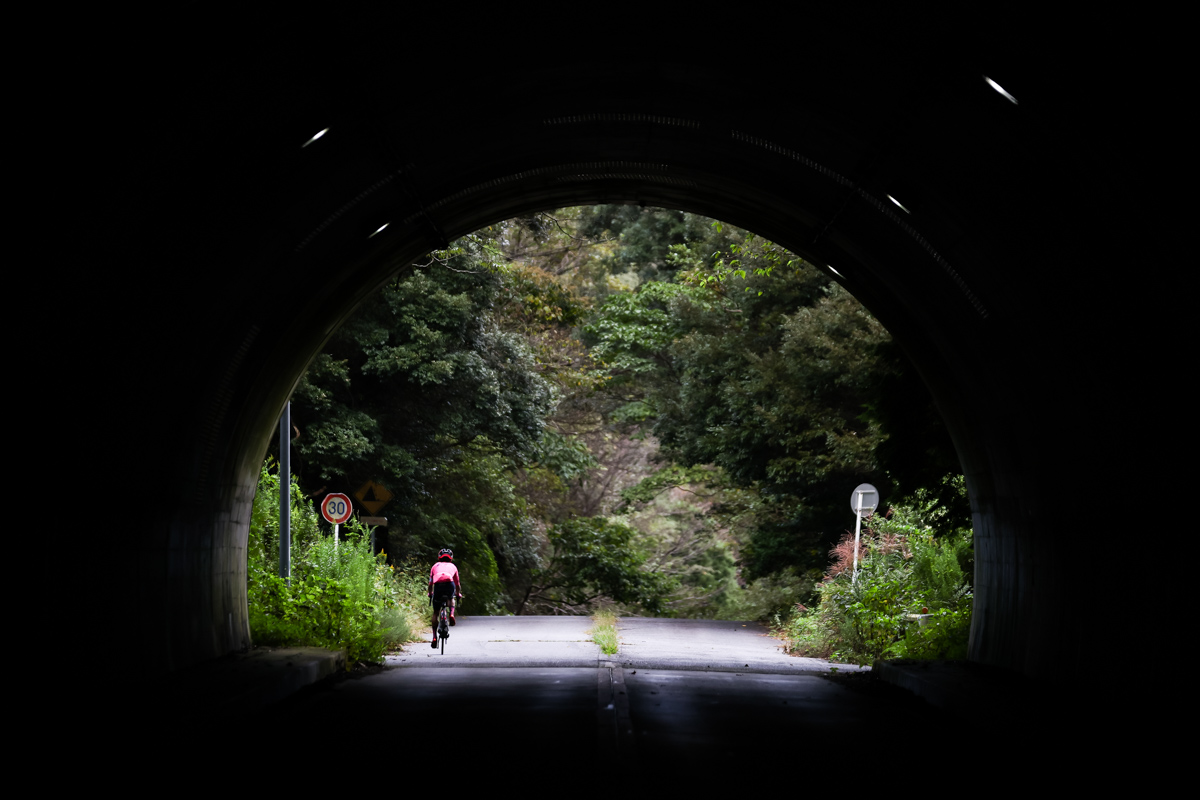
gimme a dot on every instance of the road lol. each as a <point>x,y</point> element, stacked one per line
<point>680,694</point>
<point>687,644</point>
<point>703,705</point>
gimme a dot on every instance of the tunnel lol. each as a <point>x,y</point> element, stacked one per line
<point>255,177</point>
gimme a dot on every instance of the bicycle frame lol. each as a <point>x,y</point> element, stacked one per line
<point>443,626</point>
<point>448,608</point>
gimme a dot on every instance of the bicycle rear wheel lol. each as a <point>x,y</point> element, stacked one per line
<point>443,628</point>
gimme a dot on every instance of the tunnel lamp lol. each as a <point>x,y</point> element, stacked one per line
<point>999,89</point>
<point>898,203</point>
<point>835,272</point>
<point>379,230</point>
<point>315,136</point>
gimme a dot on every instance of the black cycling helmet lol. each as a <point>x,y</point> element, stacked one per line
<point>446,553</point>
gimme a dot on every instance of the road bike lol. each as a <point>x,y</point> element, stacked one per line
<point>443,626</point>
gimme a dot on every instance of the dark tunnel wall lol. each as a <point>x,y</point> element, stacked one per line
<point>248,249</point>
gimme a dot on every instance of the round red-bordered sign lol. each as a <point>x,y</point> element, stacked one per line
<point>336,508</point>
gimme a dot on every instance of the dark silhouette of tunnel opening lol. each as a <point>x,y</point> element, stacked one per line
<point>271,242</point>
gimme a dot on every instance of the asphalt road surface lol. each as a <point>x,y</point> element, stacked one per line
<point>514,694</point>
<point>689,644</point>
<point>530,702</point>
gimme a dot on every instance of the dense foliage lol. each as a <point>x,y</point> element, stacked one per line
<point>763,367</point>
<point>619,406</point>
<point>344,597</point>
<point>443,389</point>
<point>593,558</point>
<point>424,393</point>
<point>911,597</point>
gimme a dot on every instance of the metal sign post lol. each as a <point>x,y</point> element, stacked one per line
<point>865,498</point>
<point>285,492</point>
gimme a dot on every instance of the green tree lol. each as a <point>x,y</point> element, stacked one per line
<point>426,393</point>
<point>759,364</point>
<point>644,237</point>
<point>591,560</point>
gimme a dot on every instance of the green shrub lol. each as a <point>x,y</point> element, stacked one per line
<point>397,626</point>
<point>942,636</point>
<point>341,596</point>
<point>937,572</point>
<point>316,612</point>
<point>911,599</point>
<point>768,597</point>
<point>410,619</point>
<point>809,635</point>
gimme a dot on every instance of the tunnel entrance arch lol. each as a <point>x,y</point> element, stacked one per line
<point>991,228</point>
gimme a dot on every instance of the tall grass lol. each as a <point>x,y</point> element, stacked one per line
<point>409,620</point>
<point>342,597</point>
<point>604,631</point>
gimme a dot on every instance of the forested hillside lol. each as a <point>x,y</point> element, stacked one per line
<point>620,405</point>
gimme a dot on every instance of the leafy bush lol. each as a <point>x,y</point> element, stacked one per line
<point>767,597</point>
<point>315,611</point>
<point>911,599</point>
<point>342,597</point>
<point>943,636</point>
<point>594,561</point>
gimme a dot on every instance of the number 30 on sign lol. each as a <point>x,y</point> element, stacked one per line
<point>336,508</point>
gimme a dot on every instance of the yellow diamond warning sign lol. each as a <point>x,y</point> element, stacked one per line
<point>373,496</point>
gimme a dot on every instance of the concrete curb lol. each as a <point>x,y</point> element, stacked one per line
<point>963,689</point>
<point>246,682</point>
<point>284,672</point>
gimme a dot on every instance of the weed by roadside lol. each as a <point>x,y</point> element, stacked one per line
<point>604,631</point>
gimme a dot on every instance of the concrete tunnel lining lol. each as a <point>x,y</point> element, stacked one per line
<point>971,282</point>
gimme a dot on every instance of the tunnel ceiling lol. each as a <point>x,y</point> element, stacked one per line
<point>240,248</point>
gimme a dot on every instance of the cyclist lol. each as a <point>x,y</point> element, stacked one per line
<point>443,586</point>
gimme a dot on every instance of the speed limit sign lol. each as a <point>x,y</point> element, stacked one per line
<point>336,508</point>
